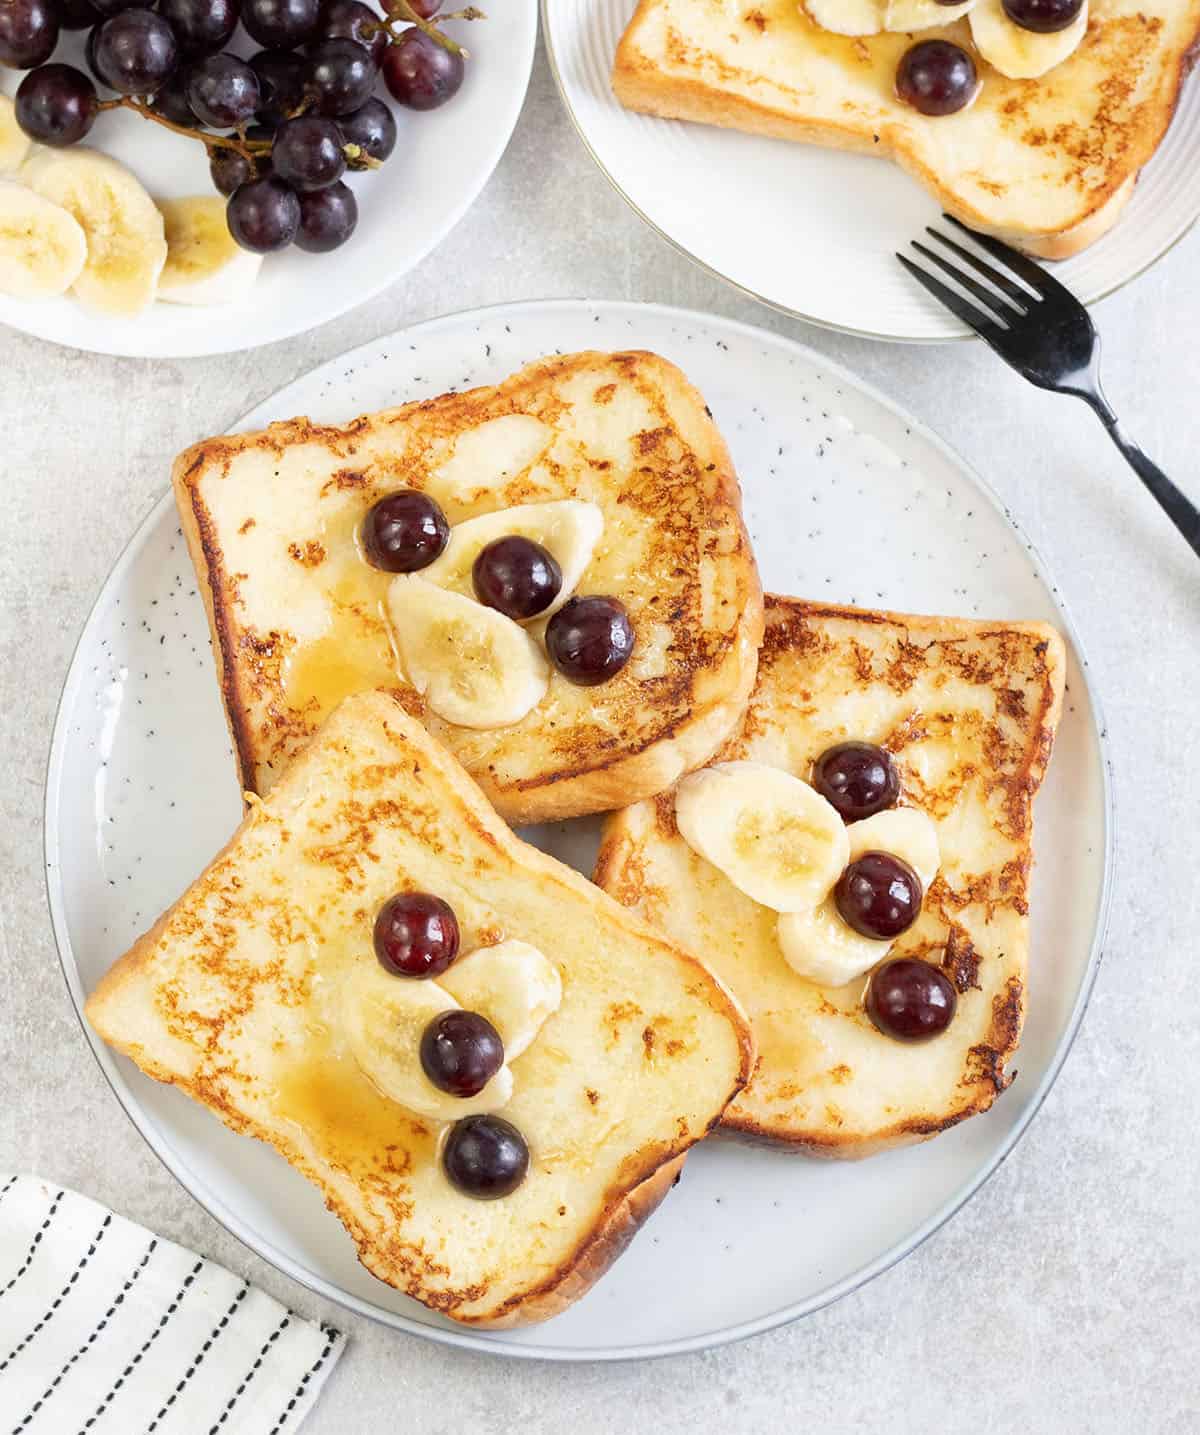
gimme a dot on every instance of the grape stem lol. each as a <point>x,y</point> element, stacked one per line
<point>248,149</point>
<point>400,12</point>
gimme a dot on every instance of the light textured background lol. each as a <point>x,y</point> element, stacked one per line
<point>1066,1297</point>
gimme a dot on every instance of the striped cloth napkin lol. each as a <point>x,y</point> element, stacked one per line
<point>107,1329</point>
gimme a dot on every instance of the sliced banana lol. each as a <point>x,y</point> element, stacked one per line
<point>568,528</point>
<point>383,1019</point>
<point>14,142</point>
<point>513,985</point>
<point>473,666</point>
<point>819,945</point>
<point>204,264</point>
<point>906,833</point>
<point>126,245</point>
<point>772,835</point>
<point>1022,54</point>
<point>42,248</point>
<point>908,15</point>
<point>847,17</point>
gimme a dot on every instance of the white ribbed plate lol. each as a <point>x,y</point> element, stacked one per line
<point>846,499</point>
<point>814,231</point>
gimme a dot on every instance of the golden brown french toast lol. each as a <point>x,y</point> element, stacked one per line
<point>300,619</point>
<point>259,994</point>
<point>968,712</point>
<point>1045,163</point>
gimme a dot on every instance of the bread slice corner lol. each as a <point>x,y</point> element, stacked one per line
<point>968,710</point>
<point>233,997</point>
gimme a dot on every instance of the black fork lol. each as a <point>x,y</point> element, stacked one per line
<point>1044,332</point>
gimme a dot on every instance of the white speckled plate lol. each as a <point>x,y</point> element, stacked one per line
<point>405,209</point>
<point>814,231</point>
<point>846,499</point>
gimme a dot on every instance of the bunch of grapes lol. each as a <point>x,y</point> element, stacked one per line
<point>281,128</point>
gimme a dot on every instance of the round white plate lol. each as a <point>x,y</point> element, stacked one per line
<point>441,162</point>
<point>846,499</point>
<point>813,231</point>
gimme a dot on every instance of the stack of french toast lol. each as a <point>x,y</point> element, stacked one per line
<point>808,923</point>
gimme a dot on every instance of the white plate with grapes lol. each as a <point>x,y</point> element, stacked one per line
<point>192,179</point>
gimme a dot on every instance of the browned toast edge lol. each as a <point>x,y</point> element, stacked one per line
<point>1008,1011</point>
<point>651,1170</point>
<point>618,779</point>
<point>643,88</point>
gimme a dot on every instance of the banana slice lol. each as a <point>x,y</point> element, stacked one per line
<point>126,245</point>
<point>383,1019</point>
<point>772,835</point>
<point>1022,54</point>
<point>473,666</point>
<point>568,528</point>
<point>14,142</point>
<point>819,945</point>
<point>847,17</point>
<point>513,985</point>
<point>909,15</point>
<point>204,264</point>
<point>905,832</point>
<point>42,248</point>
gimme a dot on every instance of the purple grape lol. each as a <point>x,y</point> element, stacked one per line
<point>281,24</point>
<point>171,102</point>
<point>373,129</point>
<point>201,26</point>
<point>342,75</point>
<point>420,73</point>
<point>307,152</point>
<point>264,215</point>
<point>135,52</point>
<point>222,91</point>
<point>328,217</point>
<point>349,20</point>
<point>229,170</point>
<point>56,105</point>
<point>28,33</point>
<point>280,83</point>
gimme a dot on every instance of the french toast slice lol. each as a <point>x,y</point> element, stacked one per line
<point>299,618</point>
<point>1045,164</point>
<point>236,996</point>
<point>968,711</point>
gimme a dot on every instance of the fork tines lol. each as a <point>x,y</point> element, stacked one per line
<point>994,308</point>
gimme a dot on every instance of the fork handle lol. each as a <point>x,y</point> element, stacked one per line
<point>1182,512</point>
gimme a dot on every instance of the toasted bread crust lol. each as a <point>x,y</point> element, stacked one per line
<point>645,1174</point>
<point>801,636</point>
<point>666,726</point>
<point>1103,176</point>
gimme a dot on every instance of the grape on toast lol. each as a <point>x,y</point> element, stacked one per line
<point>300,620</point>
<point>968,711</point>
<point>1045,164</point>
<point>246,995</point>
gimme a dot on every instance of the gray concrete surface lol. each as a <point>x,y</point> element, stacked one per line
<point>1066,1297</point>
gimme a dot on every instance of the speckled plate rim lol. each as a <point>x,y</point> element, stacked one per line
<point>879,336</point>
<point>483,1341</point>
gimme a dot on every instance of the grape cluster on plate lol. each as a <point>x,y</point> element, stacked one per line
<point>281,128</point>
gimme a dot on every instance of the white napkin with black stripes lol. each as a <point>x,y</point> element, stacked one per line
<point>107,1329</point>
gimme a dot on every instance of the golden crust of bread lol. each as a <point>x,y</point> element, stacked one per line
<point>968,710</point>
<point>233,996</point>
<point>270,519</point>
<point>1045,164</point>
